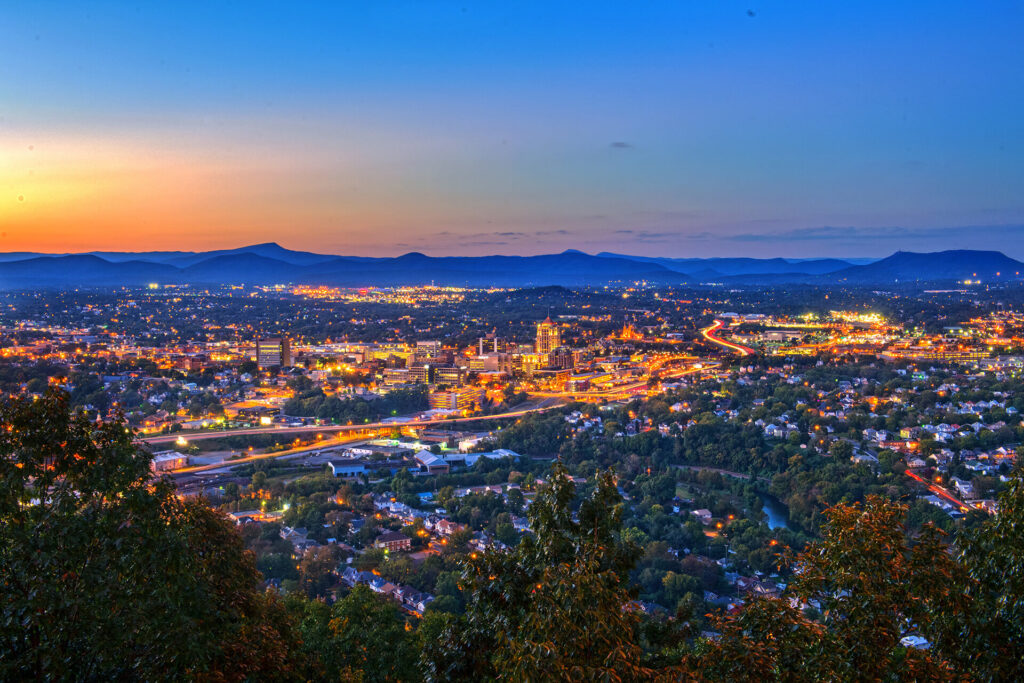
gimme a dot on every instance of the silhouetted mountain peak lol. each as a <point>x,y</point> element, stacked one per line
<point>952,264</point>
<point>270,263</point>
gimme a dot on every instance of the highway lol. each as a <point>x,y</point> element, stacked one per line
<point>301,450</point>
<point>626,391</point>
<point>171,438</point>
<point>941,492</point>
<point>709,334</point>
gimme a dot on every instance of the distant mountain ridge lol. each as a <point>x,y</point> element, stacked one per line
<point>955,264</point>
<point>271,263</point>
<point>717,266</point>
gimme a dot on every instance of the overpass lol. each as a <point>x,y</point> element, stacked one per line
<point>328,429</point>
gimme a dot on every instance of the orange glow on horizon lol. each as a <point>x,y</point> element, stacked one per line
<point>68,194</point>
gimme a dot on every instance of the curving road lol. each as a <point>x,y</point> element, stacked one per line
<point>709,334</point>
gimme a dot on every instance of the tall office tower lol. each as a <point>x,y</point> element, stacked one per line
<point>490,343</point>
<point>560,358</point>
<point>273,352</point>
<point>425,352</point>
<point>430,347</point>
<point>547,337</point>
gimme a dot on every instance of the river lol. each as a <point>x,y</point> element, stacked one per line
<point>778,514</point>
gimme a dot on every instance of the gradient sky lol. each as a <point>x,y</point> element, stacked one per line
<point>710,128</point>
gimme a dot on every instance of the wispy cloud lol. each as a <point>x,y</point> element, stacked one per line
<point>650,235</point>
<point>665,215</point>
<point>703,235</point>
<point>828,233</point>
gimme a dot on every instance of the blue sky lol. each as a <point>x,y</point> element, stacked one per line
<point>680,129</point>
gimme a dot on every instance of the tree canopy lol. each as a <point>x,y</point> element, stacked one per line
<point>106,574</point>
<point>553,608</point>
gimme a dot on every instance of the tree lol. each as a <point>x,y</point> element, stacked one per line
<point>557,607</point>
<point>299,384</point>
<point>987,638</point>
<point>870,582</point>
<point>506,533</point>
<point>105,574</point>
<point>678,585</point>
<point>841,450</point>
<point>316,570</point>
<point>363,637</point>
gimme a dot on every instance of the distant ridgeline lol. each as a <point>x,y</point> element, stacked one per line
<point>272,264</point>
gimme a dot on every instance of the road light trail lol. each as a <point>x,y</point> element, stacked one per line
<point>292,452</point>
<point>339,428</point>
<point>709,334</point>
<point>940,491</point>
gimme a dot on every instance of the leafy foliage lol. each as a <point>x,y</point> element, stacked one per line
<point>556,608</point>
<point>106,574</point>
<point>871,585</point>
<point>361,637</point>
<point>987,637</point>
<point>314,403</point>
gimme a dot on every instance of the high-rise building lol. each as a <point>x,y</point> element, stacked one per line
<point>548,337</point>
<point>452,376</point>
<point>421,374</point>
<point>491,343</point>
<point>528,363</point>
<point>273,352</point>
<point>560,358</point>
<point>428,352</point>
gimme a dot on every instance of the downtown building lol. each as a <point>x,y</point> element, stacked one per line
<point>463,398</point>
<point>548,337</point>
<point>273,352</point>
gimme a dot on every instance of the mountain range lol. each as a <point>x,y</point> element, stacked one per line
<point>271,263</point>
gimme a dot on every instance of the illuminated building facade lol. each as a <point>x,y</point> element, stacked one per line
<point>548,337</point>
<point>273,352</point>
<point>457,399</point>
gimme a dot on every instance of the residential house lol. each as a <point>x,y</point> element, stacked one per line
<point>392,541</point>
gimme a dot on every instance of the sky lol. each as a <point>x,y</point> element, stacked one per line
<point>684,128</point>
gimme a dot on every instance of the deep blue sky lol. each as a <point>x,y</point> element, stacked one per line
<point>675,128</point>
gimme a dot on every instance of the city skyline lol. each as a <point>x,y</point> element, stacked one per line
<point>664,130</point>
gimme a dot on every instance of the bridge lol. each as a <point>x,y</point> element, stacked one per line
<point>367,428</point>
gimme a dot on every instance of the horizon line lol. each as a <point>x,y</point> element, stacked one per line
<point>600,254</point>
